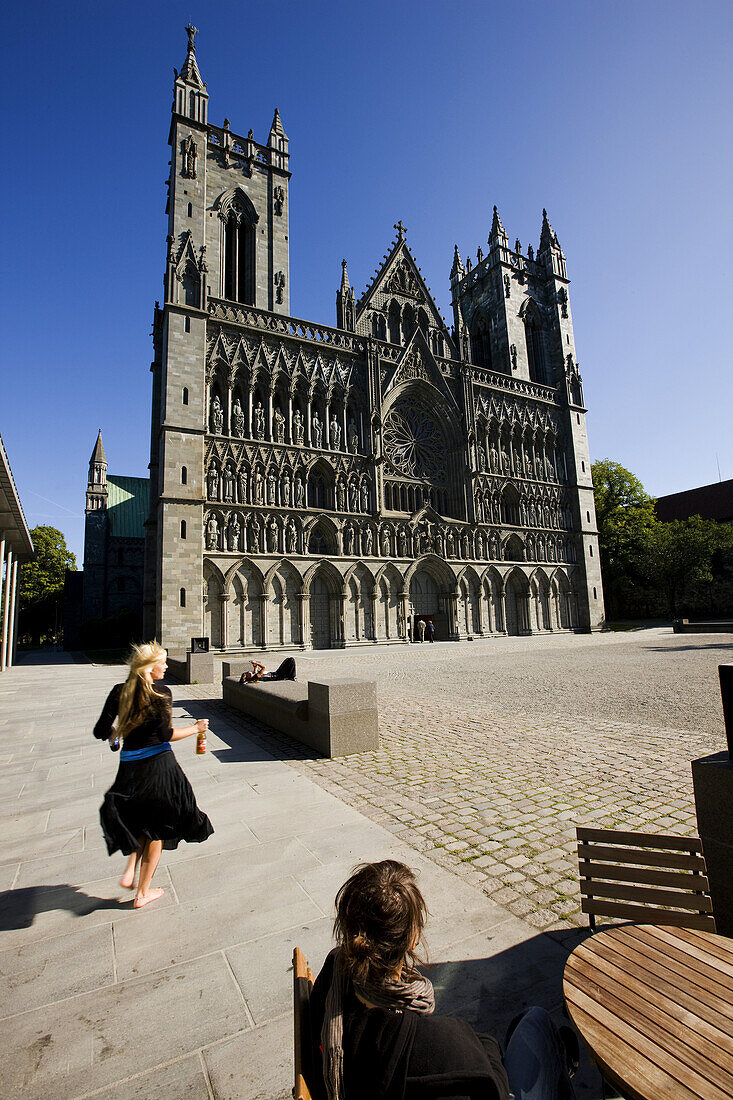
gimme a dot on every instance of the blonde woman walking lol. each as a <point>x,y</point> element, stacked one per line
<point>150,805</point>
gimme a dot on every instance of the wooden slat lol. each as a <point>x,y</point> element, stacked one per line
<point>640,840</point>
<point>611,872</point>
<point>682,899</point>
<point>639,953</point>
<point>669,1028</point>
<point>709,1021</point>
<point>645,858</point>
<point>626,911</point>
<point>710,1001</point>
<point>719,946</point>
<point>602,1027</point>
<point>695,955</point>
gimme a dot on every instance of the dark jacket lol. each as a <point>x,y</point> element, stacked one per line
<point>406,1055</point>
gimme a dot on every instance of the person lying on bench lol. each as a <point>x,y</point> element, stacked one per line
<point>373,1029</point>
<point>286,671</point>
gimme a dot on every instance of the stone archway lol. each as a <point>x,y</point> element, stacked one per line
<point>425,603</point>
<point>320,614</point>
<point>517,604</point>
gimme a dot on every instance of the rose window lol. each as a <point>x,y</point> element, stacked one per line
<point>414,442</point>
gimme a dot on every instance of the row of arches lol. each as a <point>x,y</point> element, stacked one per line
<point>398,323</point>
<point>312,485</point>
<point>255,532</point>
<point>510,449</point>
<point>511,508</point>
<point>322,609</point>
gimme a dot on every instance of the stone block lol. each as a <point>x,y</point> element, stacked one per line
<point>712,778</point>
<point>343,716</point>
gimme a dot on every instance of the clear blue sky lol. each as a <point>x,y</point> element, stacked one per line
<point>615,116</point>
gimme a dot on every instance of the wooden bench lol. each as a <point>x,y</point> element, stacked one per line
<point>641,877</point>
<point>302,1045</point>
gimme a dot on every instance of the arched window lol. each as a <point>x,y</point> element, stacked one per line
<point>535,348</point>
<point>317,542</point>
<point>395,327</point>
<point>192,114</point>
<point>422,321</point>
<point>182,597</point>
<point>408,323</point>
<point>184,395</point>
<point>316,490</point>
<point>481,342</point>
<point>190,209</point>
<point>239,218</point>
<point>184,475</point>
<point>183,528</point>
<point>510,506</point>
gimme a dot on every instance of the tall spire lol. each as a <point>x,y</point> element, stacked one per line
<point>345,302</point>
<point>548,236</point>
<point>97,481</point>
<point>98,455</point>
<point>498,232</point>
<point>458,270</point>
<point>190,97</point>
<point>278,142</point>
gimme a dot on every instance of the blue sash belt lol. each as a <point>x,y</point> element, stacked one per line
<point>141,754</point>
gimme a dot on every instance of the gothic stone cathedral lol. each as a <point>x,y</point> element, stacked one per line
<point>316,486</point>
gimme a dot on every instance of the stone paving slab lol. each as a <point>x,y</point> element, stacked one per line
<point>191,997</point>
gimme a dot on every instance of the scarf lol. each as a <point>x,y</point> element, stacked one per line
<point>412,991</point>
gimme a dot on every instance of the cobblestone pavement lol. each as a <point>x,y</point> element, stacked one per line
<point>493,752</point>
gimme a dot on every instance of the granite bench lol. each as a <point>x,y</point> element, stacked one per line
<point>336,717</point>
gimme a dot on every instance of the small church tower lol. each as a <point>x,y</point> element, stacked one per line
<point>97,483</point>
<point>345,301</point>
<point>95,533</point>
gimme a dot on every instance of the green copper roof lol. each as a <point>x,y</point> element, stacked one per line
<point>128,502</point>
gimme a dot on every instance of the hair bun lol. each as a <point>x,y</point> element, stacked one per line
<point>360,945</point>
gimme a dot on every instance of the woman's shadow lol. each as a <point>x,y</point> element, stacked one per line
<point>19,908</point>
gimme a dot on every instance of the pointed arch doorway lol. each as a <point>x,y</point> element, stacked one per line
<point>425,603</point>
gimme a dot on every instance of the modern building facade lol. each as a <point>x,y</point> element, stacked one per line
<point>16,546</point>
<point>316,486</point>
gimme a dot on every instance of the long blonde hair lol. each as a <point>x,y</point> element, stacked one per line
<point>138,697</point>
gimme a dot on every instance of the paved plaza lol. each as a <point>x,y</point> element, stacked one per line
<point>479,783</point>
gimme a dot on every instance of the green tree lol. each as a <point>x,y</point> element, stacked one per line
<point>42,582</point>
<point>626,519</point>
<point>684,553</point>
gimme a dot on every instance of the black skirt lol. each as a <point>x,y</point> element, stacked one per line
<point>151,798</point>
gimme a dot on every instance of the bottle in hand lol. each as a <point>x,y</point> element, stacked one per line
<point>201,743</point>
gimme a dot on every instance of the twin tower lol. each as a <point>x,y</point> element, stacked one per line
<point>316,486</point>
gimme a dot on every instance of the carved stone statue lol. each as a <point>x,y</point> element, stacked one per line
<point>272,535</point>
<point>242,480</point>
<point>298,493</point>
<point>481,459</point>
<point>385,542</point>
<point>233,532</point>
<point>353,437</point>
<point>255,532</point>
<point>217,416</point>
<point>229,483</point>
<point>189,153</point>
<point>335,433</point>
<point>341,497</point>
<point>402,543</point>
<point>494,460</point>
<point>317,430</point>
<point>212,481</point>
<point>367,540</point>
<point>279,426</point>
<point>439,544</point>
<point>291,537</point>
<point>505,461</point>
<point>285,490</point>
<point>354,497</point>
<point>479,509</point>
<point>449,545</point>
<point>348,539</point>
<point>212,533</point>
<point>271,488</point>
<point>365,497</point>
<point>237,419</point>
<point>298,426</point>
<point>259,421</point>
<point>258,487</point>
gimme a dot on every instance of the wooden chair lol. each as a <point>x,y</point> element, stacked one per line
<point>643,878</point>
<point>302,1048</point>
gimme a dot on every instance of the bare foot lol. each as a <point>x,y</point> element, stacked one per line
<point>128,881</point>
<point>145,899</point>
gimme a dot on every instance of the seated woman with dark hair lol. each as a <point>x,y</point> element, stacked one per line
<point>374,1032</point>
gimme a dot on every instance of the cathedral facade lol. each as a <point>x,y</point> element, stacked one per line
<point>316,486</point>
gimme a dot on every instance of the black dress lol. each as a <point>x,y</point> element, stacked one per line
<point>151,797</point>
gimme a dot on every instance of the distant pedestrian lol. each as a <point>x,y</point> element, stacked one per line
<point>150,805</point>
<point>430,628</point>
<point>421,629</point>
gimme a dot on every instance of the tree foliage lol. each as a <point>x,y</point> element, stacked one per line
<point>44,576</point>
<point>647,564</point>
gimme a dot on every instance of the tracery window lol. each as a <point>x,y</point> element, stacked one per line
<point>535,349</point>
<point>238,249</point>
<point>481,343</point>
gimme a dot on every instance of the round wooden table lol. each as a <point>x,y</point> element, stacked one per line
<point>655,1006</point>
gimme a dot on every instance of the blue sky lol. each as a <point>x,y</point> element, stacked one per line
<point>615,116</point>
